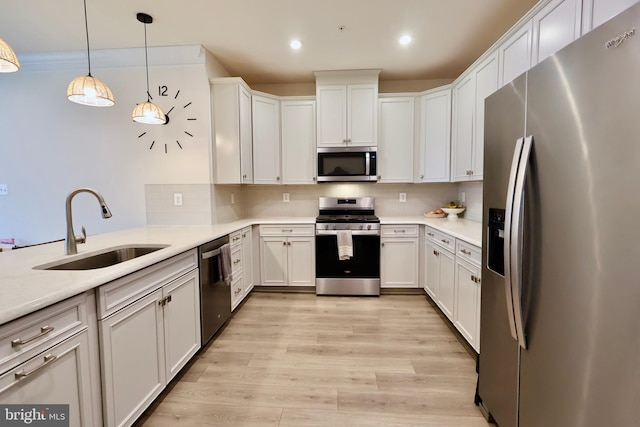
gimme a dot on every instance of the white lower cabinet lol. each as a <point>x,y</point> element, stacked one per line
<point>287,255</point>
<point>452,280</point>
<point>50,357</point>
<point>399,256</point>
<point>145,343</point>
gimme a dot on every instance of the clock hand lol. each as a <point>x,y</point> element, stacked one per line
<point>167,115</point>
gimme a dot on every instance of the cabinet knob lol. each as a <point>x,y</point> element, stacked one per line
<point>436,253</point>
<point>314,179</point>
<point>421,176</point>
<point>284,243</point>
<point>277,178</point>
<point>288,243</point>
<point>381,244</point>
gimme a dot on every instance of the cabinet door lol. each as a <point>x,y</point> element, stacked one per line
<point>554,27</point>
<point>266,140</point>
<point>301,263</point>
<point>462,145</point>
<point>435,137</point>
<point>226,116</point>
<point>133,361</point>
<point>246,150</point>
<point>432,271</point>
<point>362,115</point>
<point>298,142</point>
<point>273,261</point>
<point>466,309</point>
<point>399,262</point>
<point>486,82</point>
<point>395,148</point>
<point>181,321</point>
<point>61,374</point>
<point>597,12</point>
<point>515,54</point>
<point>446,291</point>
<point>247,259</point>
<point>332,115</point>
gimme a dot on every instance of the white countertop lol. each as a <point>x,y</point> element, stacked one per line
<point>24,290</point>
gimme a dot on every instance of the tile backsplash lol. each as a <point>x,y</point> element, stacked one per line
<point>210,204</point>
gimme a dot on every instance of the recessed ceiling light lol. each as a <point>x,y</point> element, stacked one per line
<point>405,40</point>
<point>295,44</point>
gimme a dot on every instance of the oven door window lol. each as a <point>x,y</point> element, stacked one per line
<point>365,263</point>
<point>342,164</point>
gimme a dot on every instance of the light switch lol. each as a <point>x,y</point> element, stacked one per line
<point>403,198</point>
<point>285,197</point>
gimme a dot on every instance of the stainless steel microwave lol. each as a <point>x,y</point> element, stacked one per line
<point>350,164</point>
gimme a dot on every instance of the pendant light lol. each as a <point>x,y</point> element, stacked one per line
<point>87,90</point>
<point>147,112</point>
<point>8,60</point>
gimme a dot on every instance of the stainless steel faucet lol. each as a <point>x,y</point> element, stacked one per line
<point>71,241</point>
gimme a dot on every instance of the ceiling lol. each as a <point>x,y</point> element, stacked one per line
<point>251,37</point>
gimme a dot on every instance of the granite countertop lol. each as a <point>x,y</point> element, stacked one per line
<point>24,290</point>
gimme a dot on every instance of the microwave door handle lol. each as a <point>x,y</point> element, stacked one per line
<point>517,152</point>
<point>367,163</point>
<point>516,241</point>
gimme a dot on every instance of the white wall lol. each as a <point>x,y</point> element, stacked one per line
<point>50,146</point>
<point>473,200</point>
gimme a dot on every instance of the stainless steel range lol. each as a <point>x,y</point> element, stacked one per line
<point>352,221</point>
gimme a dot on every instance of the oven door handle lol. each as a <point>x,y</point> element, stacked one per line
<point>353,232</point>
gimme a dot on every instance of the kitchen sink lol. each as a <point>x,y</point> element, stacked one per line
<point>100,259</point>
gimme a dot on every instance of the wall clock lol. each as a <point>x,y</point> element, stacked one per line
<point>177,132</point>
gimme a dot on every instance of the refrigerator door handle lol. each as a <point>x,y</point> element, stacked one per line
<point>516,240</point>
<point>517,152</point>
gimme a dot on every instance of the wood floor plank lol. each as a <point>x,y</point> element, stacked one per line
<point>319,418</point>
<point>309,361</point>
<point>288,376</point>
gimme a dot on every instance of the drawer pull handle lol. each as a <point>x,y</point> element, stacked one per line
<point>430,234</point>
<point>466,252</point>
<point>49,358</point>
<point>43,331</point>
<point>445,241</point>
<point>398,231</point>
<point>287,231</point>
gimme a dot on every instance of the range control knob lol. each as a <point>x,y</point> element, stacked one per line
<point>334,226</point>
<point>368,226</point>
<point>361,226</point>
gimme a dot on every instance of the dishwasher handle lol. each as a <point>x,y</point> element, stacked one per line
<point>211,254</point>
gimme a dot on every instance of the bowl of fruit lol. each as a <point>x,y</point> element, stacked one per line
<point>452,209</point>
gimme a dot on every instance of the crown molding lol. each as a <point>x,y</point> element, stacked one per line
<point>114,58</point>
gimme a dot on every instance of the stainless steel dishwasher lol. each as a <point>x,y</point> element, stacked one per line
<point>215,286</point>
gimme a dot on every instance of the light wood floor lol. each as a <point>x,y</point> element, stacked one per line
<point>301,360</point>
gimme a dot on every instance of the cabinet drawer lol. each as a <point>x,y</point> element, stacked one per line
<point>25,337</point>
<point>399,230</point>
<point>237,291</point>
<point>121,292</point>
<point>235,238</point>
<point>441,239</point>
<point>469,253</point>
<point>236,260</point>
<point>287,230</point>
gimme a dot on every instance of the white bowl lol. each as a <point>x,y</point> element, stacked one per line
<point>452,213</point>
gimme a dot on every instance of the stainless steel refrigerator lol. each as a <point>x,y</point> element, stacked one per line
<point>560,310</point>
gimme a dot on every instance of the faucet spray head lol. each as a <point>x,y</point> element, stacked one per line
<point>106,213</point>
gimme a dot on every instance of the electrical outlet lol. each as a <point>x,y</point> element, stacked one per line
<point>285,197</point>
<point>177,199</point>
<point>4,189</point>
<point>403,198</point>
<point>462,197</point>
<point>233,198</point>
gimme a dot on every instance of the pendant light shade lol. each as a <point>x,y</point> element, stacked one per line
<point>87,90</point>
<point>8,60</point>
<point>147,112</point>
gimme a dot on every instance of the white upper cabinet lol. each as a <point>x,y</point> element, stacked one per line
<point>554,27</point>
<point>435,136</point>
<point>396,139</point>
<point>486,82</point>
<point>515,54</point>
<point>462,138</point>
<point>233,156</point>
<point>298,141</point>
<point>266,139</point>
<point>596,12</point>
<point>347,112</point>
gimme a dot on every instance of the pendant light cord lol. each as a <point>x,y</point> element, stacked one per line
<point>86,28</point>
<point>146,61</point>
